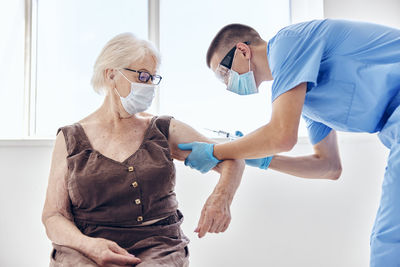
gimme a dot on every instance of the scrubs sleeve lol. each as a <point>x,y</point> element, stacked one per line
<point>294,59</point>
<point>317,131</point>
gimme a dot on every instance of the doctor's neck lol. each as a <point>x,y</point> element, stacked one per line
<point>259,59</point>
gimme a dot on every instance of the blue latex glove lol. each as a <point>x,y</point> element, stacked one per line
<point>239,134</point>
<point>201,158</point>
<point>261,163</point>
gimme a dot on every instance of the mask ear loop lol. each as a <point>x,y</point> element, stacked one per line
<point>115,89</point>
<point>249,65</point>
<point>125,78</point>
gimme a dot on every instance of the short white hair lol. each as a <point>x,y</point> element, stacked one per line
<point>119,53</point>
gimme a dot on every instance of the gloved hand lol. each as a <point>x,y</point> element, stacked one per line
<point>201,158</point>
<point>261,163</point>
<point>239,134</point>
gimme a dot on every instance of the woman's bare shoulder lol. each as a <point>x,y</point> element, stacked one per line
<point>91,118</point>
<point>146,115</point>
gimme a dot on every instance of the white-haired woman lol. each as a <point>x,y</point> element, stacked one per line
<point>110,199</point>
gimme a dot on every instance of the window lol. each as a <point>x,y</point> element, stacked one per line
<point>50,48</point>
<point>12,31</point>
<point>71,34</point>
<point>189,90</point>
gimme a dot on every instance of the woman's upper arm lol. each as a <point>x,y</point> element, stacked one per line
<point>180,132</point>
<point>57,198</point>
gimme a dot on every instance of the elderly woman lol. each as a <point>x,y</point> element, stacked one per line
<point>110,198</point>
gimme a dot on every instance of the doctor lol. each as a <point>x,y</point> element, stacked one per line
<point>339,76</point>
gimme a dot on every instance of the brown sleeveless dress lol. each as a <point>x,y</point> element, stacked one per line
<point>110,199</point>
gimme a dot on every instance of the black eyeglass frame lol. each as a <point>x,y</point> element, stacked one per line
<point>228,59</point>
<point>152,77</point>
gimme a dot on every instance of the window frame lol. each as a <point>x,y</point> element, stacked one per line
<point>30,61</point>
<point>30,55</point>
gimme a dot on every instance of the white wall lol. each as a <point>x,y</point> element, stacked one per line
<point>278,220</point>
<point>378,11</point>
<point>304,10</point>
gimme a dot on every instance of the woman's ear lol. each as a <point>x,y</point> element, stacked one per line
<point>110,74</point>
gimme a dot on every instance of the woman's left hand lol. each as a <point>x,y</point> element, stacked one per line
<point>215,215</point>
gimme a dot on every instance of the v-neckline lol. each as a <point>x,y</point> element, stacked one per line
<point>114,160</point>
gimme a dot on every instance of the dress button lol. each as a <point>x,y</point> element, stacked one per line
<point>140,218</point>
<point>134,184</point>
<point>137,201</point>
<point>130,168</point>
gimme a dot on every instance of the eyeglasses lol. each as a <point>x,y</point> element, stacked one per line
<point>225,65</point>
<point>144,76</point>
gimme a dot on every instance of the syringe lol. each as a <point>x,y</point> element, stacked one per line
<point>228,135</point>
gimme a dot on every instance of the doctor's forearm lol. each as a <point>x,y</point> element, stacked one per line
<point>265,141</point>
<point>311,166</point>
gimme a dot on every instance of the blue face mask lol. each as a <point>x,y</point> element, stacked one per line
<point>242,84</point>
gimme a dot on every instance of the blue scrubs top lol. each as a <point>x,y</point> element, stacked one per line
<point>352,70</point>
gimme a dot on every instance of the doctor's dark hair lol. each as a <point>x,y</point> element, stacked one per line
<point>229,36</point>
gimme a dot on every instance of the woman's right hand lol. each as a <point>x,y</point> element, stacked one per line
<point>107,253</point>
<point>215,215</point>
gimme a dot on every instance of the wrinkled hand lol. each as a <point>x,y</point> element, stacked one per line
<point>201,158</point>
<point>261,163</point>
<point>107,253</point>
<point>215,215</point>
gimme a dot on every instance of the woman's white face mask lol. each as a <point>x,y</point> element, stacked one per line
<point>140,97</point>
